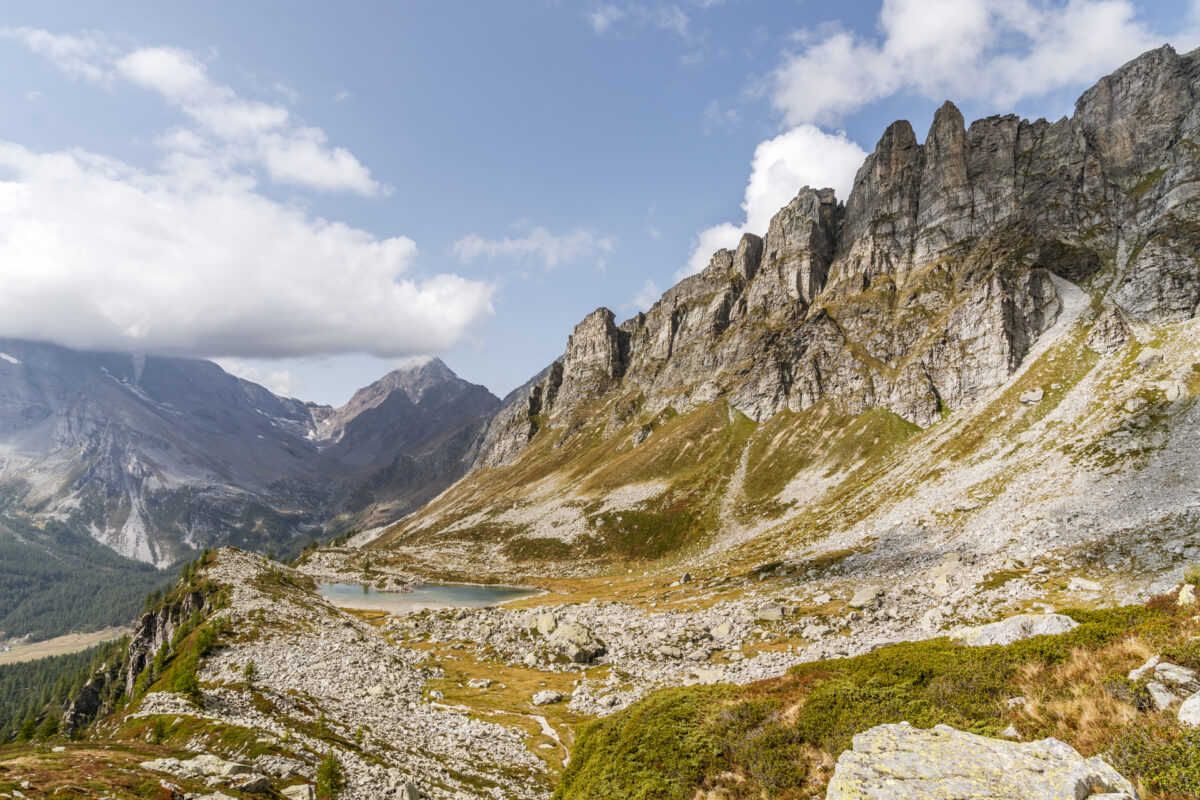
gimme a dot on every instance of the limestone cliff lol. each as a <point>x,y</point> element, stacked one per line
<point>928,286</point>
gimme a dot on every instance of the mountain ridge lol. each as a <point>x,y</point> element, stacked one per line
<point>158,455</point>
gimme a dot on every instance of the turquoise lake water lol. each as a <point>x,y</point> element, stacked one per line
<point>423,595</point>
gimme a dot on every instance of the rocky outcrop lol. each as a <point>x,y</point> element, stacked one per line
<point>1014,629</point>
<point>94,698</point>
<point>900,762</point>
<point>929,286</point>
<point>156,628</point>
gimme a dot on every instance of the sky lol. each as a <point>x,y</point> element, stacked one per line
<point>313,194</point>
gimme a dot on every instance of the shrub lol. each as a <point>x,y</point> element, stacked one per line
<point>49,728</point>
<point>1164,757</point>
<point>331,781</point>
<point>186,682</point>
<point>660,748</point>
<point>1134,693</point>
<point>250,673</point>
<point>1185,653</point>
<point>158,730</point>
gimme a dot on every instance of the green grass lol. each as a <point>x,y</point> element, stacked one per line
<point>778,738</point>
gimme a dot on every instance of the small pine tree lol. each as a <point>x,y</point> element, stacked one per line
<point>49,728</point>
<point>323,731</point>
<point>205,639</point>
<point>250,673</point>
<point>160,659</point>
<point>187,683</point>
<point>158,730</point>
<point>28,729</point>
<point>331,781</point>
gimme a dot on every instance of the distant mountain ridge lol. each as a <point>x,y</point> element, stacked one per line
<point>156,455</point>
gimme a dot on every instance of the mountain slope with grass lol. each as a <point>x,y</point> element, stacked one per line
<point>925,456</point>
<point>990,342</point>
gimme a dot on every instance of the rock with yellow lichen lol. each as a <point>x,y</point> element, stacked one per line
<point>900,762</point>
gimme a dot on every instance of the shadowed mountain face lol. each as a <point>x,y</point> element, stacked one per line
<point>154,455</point>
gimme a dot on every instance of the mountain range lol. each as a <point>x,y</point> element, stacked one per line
<point>899,499</point>
<point>156,457</point>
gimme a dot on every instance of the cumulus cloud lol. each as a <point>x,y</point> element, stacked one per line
<point>245,131</point>
<point>280,381</point>
<point>95,253</point>
<point>191,258</point>
<point>999,51</point>
<point>803,156</point>
<point>539,244</point>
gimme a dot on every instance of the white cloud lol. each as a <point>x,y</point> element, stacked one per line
<point>342,96</point>
<point>192,260</point>
<point>1000,51</point>
<point>245,131</point>
<point>81,56</point>
<point>607,18</point>
<point>803,156</point>
<point>539,244</point>
<point>646,296</point>
<point>603,18</point>
<point>280,381</point>
<point>717,118</point>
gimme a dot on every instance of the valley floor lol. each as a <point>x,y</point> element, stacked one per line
<point>59,645</point>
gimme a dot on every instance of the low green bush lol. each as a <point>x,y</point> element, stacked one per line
<point>673,742</point>
<point>1163,756</point>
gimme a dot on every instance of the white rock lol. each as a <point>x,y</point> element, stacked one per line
<point>1032,396</point>
<point>1186,596</point>
<point>546,623</point>
<point>1151,663</point>
<point>771,612</point>
<point>865,597</point>
<point>546,697</point>
<point>1189,711</point>
<point>1084,585</point>
<point>300,791</point>
<point>1177,676</point>
<point>900,762</point>
<point>1163,697</point>
<point>1014,629</point>
<point>1135,404</point>
<point>1148,357</point>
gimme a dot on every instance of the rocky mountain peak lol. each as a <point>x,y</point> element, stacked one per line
<point>928,286</point>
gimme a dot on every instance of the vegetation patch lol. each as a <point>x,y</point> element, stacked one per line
<point>780,738</point>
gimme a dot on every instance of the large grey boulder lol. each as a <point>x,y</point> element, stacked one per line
<point>900,762</point>
<point>866,597</point>
<point>1014,629</point>
<point>576,642</point>
<point>1189,711</point>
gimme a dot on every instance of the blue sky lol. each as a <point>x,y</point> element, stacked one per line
<point>313,193</point>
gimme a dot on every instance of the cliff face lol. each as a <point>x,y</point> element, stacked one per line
<point>929,285</point>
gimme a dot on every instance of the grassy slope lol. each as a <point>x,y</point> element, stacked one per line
<point>780,738</point>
